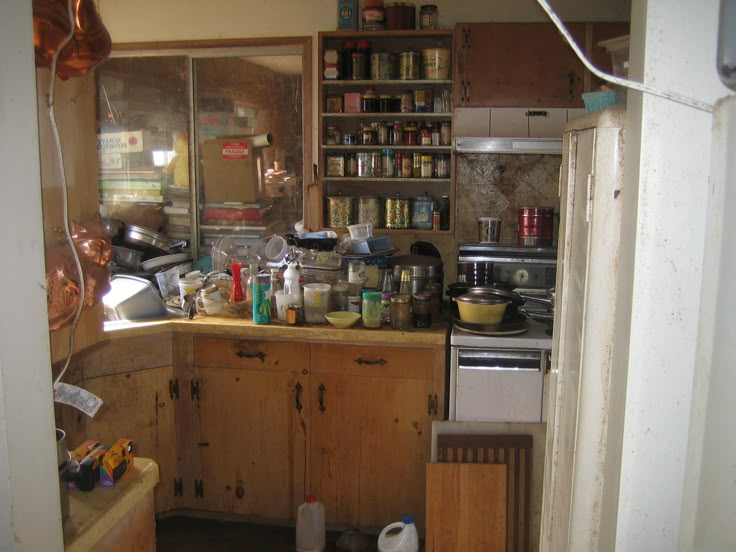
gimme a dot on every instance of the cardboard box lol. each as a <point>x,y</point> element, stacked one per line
<point>230,171</point>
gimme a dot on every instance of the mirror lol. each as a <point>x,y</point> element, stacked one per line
<point>206,139</point>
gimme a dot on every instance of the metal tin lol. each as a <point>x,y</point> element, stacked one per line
<point>339,211</point>
<point>407,102</point>
<point>421,218</point>
<point>397,212</point>
<point>369,211</point>
<point>261,299</point>
<point>373,16</point>
<point>536,226</point>
<point>382,65</point>
<point>410,63</point>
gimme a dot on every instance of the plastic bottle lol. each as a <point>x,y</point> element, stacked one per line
<point>400,536</point>
<point>291,283</point>
<point>310,526</point>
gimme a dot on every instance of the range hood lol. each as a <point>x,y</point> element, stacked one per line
<point>487,144</point>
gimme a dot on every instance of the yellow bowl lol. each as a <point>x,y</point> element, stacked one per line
<point>342,319</point>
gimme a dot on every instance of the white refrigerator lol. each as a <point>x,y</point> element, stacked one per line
<point>585,406</point>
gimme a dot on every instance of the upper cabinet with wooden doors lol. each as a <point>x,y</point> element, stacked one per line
<point>526,64</point>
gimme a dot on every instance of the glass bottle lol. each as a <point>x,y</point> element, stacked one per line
<point>275,286</point>
<point>422,310</point>
<point>405,282</point>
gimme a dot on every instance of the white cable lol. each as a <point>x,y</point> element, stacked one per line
<point>65,194</point>
<point>673,96</point>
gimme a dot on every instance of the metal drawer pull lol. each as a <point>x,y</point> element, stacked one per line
<point>379,362</point>
<point>298,396</point>
<point>260,355</point>
<point>322,390</point>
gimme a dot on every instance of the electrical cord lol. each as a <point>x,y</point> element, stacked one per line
<point>64,187</point>
<point>626,83</point>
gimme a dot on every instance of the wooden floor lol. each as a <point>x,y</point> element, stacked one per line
<point>185,534</point>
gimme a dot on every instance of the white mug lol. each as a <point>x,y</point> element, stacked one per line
<point>209,305</point>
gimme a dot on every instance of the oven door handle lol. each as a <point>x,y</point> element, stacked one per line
<point>502,368</point>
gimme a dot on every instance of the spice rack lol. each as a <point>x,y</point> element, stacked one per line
<point>356,165</point>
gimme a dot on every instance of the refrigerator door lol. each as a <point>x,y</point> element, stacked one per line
<point>578,472</point>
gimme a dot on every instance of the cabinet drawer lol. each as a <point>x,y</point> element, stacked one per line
<point>392,362</point>
<point>250,354</point>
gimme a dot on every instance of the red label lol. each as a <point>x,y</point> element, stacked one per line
<point>235,150</point>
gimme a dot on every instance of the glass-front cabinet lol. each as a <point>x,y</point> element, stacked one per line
<point>207,139</point>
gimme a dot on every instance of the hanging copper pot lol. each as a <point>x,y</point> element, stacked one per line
<point>89,45</point>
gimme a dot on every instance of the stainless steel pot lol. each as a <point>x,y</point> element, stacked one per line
<point>149,240</point>
<point>422,269</point>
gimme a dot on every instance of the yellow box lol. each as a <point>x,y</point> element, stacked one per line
<point>116,462</point>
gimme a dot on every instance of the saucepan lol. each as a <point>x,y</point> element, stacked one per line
<point>514,298</point>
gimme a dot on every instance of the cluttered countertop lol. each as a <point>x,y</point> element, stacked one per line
<point>312,290</point>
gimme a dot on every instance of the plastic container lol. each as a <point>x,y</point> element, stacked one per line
<point>316,302</point>
<point>310,526</point>
<point>400,536</point>
<point>371,309</point>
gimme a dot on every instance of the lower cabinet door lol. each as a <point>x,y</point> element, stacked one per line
<point>370,423</point>
<point>252,434</point>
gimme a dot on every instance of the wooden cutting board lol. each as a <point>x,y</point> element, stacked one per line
<point>466,507</point>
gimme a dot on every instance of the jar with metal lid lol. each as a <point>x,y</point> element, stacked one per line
<point>425,137</point>
<point>371,309</point>
<point>364,47</point>
<point>387,163</point>
<point>376,163</point>
<point>382,133</point>
<point>416,164</point>
<point>385,103</point>
<point>397,133</point>
<point>427,166</point>
<point>295,314</point>
<point>445,134</point>
<point>422,310</point>
<point>407,101</point>
<point>406,165</point>
<point>410,134</point>
<point>435,130</point>
<point>428,17</point>
<point>443,165</point>
<point>401,318</point>
<point>358,69</point>
<point>368,136</point>
<point>351,164</point>
<point>373,15</point>
<point>369,101</point>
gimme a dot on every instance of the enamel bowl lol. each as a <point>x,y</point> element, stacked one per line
<point>342,319</point>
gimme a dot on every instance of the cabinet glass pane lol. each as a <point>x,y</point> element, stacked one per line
<point>143,124</point>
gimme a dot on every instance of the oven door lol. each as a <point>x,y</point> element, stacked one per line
<point>496,385</point>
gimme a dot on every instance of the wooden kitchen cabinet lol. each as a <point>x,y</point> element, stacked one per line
<point>252,411</point>
<point>133,378</point>
<point>526,64</point>
<point>371,430</point>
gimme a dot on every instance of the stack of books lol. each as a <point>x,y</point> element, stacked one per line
<point>130,186</point>
<point>178,214</point>
<point>237,214</point>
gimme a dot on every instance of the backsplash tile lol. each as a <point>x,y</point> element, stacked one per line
<point>497,184</point>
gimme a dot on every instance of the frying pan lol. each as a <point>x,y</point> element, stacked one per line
<point>149,240</point>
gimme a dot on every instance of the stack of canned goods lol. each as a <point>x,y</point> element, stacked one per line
<point>393,212</point>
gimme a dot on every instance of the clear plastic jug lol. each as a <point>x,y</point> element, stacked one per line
<point>310,526</point>
<point>400,536</point>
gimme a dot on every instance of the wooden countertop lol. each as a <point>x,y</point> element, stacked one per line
<point>237,327</point>
<point>92,515</point>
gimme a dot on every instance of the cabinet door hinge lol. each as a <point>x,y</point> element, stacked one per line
<point>174,389</point>
<point>178,487</point>
<point>432,404</point>
<point>198,488</point>
<point>194,389</point>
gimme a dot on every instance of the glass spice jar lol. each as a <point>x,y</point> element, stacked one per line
<point>401,318</point>
<point>428,17</point>
<point>422,310</point>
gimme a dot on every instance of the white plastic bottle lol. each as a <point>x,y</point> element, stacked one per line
<point>400,536</point>
<point>310,526</point>
<point>291,283</point>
